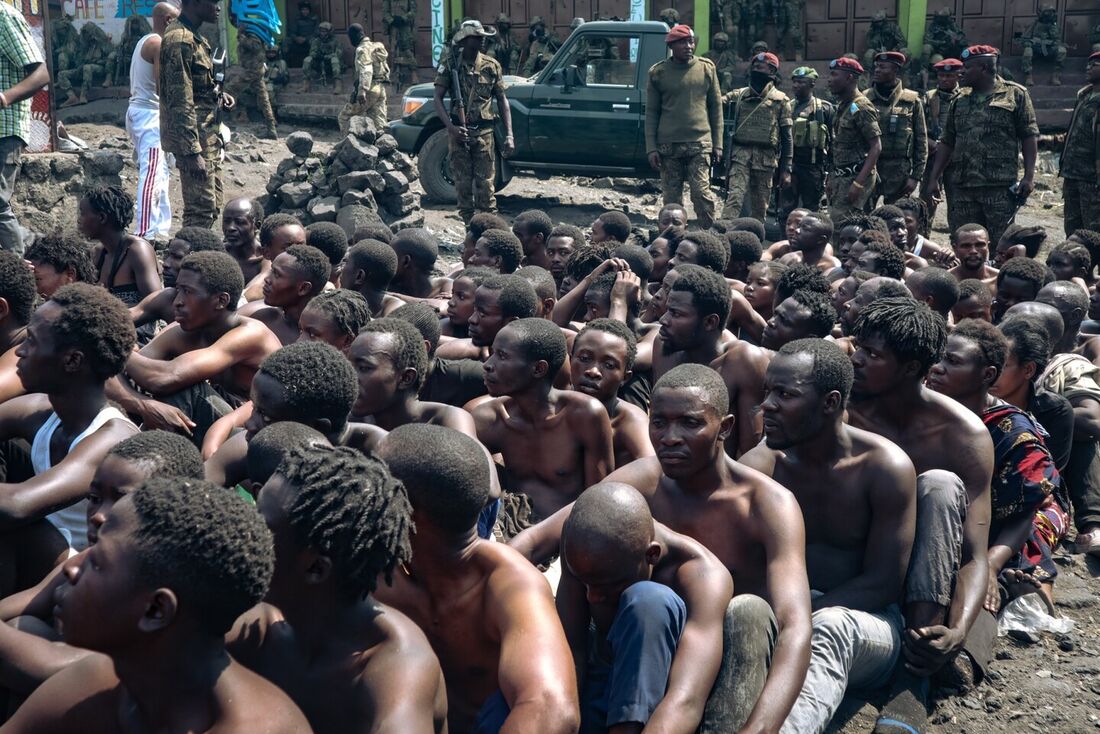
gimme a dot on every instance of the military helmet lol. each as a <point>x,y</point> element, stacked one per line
<point>576,23</point>
<point>324,26</point>
<point>503,19</point>
<point>537,20</point>
<point>758,47</point>
<point>720,36</point>
<point>1047,10</point>
<point>878,17</point>
<point>943,13</point>
<point>670,16</point>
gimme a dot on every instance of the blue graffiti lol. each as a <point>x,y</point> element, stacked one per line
<point>126,8</point>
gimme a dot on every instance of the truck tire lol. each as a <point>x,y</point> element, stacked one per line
<point>434,166</point>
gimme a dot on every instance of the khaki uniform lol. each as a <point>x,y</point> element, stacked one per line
<point>249,88</point>
<point>760,121</point>
<point>683,123</point>
<point>372,71</point>
<point>904,141</point>
<point>474,168</point>
<point>811,133</point>
<point>725,64</point>
<point>1079,164</point>
<point>855,126</point>
<point>984,133</point>
<point>189,104</point>
<point>324,58</point>
<point>937,104</point>
<point>505,50</point>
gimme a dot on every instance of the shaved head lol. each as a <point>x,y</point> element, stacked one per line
<point>1043,314</point>
<point>163,14</point>
<point>610,521</point>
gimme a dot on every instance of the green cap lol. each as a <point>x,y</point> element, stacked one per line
<point>804,72</point>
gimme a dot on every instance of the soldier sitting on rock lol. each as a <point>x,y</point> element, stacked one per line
<point>1044,39</point>
<point>942,40</point>
<point>883,35</point>
<point>324,60</point>
<point>65,43</point>
<point>90,66</point>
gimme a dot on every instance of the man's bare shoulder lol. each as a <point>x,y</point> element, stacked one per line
<point>880,451</point>
<point>507,572</point>
<point>642,474</point>
<point>83,697</point>
<point>769,500</point>
<point>251,703</point>
<point>940,409</point>
<point>738,356</point>
<point>580,406</point>
<point>629,414</point>
<point>363,437</point>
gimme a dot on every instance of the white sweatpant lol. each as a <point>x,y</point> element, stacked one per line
<point>153,217</point>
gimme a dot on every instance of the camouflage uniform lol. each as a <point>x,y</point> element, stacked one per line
<point>883,35</point>
<point>725,16</point>
<point>757,14</point>
<point>539,49</point>
<point>474,169</point>
<point>984,133</point>
<point>855,126</point>
<point>65,44</point>
<point>95,53</point>
<point>399,22</point>
<point>904,141</point>
<point>249,88</point>
<point>118,71</point>
<point>1079,164</point>
<point>811,133</point>
<point>1094,37</point>
<point>1045,40</point>
<point>324,55</point>
<point>724,59</point>
<point>758,143</point>
<point>685,134</point>
<point>189,105</point>
<point>788,21</point>
<point>937,104</point>
<point>372,71</point>
<point>276,73</point>
<point>503,47</point>
<point>943,39</point>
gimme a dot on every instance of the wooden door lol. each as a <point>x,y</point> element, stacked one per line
<point>834,27</point>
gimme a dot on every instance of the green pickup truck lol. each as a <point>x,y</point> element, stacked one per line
<point>584,114</point>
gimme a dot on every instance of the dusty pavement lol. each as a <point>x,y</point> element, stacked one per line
<point>1052,685</point>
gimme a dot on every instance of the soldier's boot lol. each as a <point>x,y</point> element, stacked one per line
<point>1056,78</point>
<point>70,100</point>
<point>1029,79</point>
<point>269,133</point>
<point>307,86</point>
<point>338,86</point>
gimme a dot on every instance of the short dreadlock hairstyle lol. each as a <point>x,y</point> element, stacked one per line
<point>115,205</point>
<point>540,339</point>
<point>161,454</point>
<point>832,368</point>
<point>272,442</point>
<point>61,251</point>
<point>614,328</point>
<point>517,298</point>
<point>1031,271</point>
<point>218,272</point>
<point>1027,342</point>
<point>409,351</point>
<point>448,484</point>
<point>535,221</point>
<point>96,323</point>
<point>701,378</point>
<point>640,261</point>
<point>17,286</point>
<point>483,221</point>
<point>911,330</point>
<point>318,382</point>
<point>585,258</point>
<point>616,225</point>
<point>747,224</point>
<point>744,247</point>
<point>1078,255</point>
<point>347,309</point>
<point>376,230</point>
<point>800,277</point>
<point>713,252</point>
<point>915,207</point>
<point>822,313</point>
<point>205,240</point>
<point>273,223</point>
<point>991,342</point>
<point>540,279</point>
<point>350,508</point>
<point>890,262</point>
<point>312,265</point>
<point>419,244</point>
<point>376,259</point>
<point>505,245</point>
<point>709,292</point>
<point>204,543</point>
<point>330,238</point>
<point>424,319</point>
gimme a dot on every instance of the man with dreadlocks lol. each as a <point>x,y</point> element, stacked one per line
<point>132,274</point>
<point>340,521</point>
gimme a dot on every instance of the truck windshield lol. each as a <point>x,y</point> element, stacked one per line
<point>603,61</point>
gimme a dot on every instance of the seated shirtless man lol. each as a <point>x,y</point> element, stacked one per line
<point>16,305</point>
<point>857,492</point>
<point>296,275</point>
<point>811,243</point>
<point>554,443</point>
<point>176,563</point>
<point>497,301</point>
<point>277,232</point>
<point>486,610</point>
<point>241,221</point>
<point>340,523</point>
<point>417,251</point>
<point>201,367</point>
<point>157,306</point>
<point>368,267</point>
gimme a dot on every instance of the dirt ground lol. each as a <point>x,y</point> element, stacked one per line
<point>1052,685</point>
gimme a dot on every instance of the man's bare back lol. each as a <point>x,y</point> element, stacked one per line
<point>742,367</point>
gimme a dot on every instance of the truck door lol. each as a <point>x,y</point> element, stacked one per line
<point>588,108</point>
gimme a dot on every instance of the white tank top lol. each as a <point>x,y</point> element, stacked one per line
<point>143,87</point>
<point>71,521</point>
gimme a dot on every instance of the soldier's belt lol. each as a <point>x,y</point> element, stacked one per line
<point>849,170</point>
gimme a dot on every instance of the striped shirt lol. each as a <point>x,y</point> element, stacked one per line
<point>18,49</point>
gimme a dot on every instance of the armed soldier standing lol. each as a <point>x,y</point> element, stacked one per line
<point>1079,164</point>
<point>857,142</point>
<point>503,47</point>
<point>249,88</point>
<point>324,59</point>
<point>937,103</point>
<point>683,137</point>
<point>1044,40</point>
<point>811,134</point>
<point>943,39</point>
<point>760,141</point>
<point>904,134</point>
<point>399,22</point>
<point>724,60</point>
<point>883,35</point>
<point>541,47</point>
<point>471,119</point>
<point>91,65</point>
<point>190,104</point>
<point>368,94</point>
<point>988,125</point>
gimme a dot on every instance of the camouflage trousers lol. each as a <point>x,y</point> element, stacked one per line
<point>84,75</point>
<point>837,192</point>
<point>756,182</point>
<point>374,108</point>
<point>322,66</point>
<point>788,22</point>
<point>891,183</point>
<point>688,163</point>
<point>806,190</point>
<point>251,94</point>
<point>990,206</point>
<point>203,195</point>
<point>474,171</point>
<point>1082,200</point>
<point>1052,50</point>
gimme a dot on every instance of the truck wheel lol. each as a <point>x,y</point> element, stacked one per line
<point>434,165</point>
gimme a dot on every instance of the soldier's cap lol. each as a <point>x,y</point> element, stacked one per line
<point>679,33</point>
<point>1094,57</point>
<point>944,12</point>
<point>537,20</point>
<point>324,26</point>
<point>975,52</point>
<point>879,16</point>
<point>845,64</point>
<point>759,46</point>
<point>576,23</point>
<point>893,57</point>
<point>503,19</point>
<point>804,72</point>
<point>772,59</point>
<point>948,65</point>
<point>720,36</point>
<point>471,28</point>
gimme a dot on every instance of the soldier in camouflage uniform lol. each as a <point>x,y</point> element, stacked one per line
<point>1044,39</point>
<point>883,35</point>
<point>302,30</point>
<point>118,65</point>
<point>325,59</point>
<point>541,47</point>
<point>399,22</point>
<point>669,16</point>
<point>725,16</point>
<point>904,133</point>
<point>65,44</point>
<point>91,65</point>
<point>372,71</point>
<point>190,105</point>
<point>943,39</point>
<point>471,148</point>
<point>857,142</point>
<point>937,102</point>
<point>724,60</point>
<point>757,15</point>
<point>682,136</point>
<point>788,26</point>
<point>1079,164</point>
<point>1094,37</point>
<point>276,73</point>
<point>503,47</point>
<point>811,133</point>
<point>249,88</point>
<point>988,125</point>
<point>759,140</point>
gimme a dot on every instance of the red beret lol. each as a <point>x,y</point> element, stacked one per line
<point>847,65</point>
<point>894,57</point>
<point>679,32</point>
<point>1095,56</point>
<point>981,50</point>
<point>769,57</point>
<point>948,65</point>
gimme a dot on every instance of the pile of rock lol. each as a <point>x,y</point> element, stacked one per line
<point>365,170</point>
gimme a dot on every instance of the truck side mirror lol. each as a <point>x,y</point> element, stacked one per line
<point>557,78</point>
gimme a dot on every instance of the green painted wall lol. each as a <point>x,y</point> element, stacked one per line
<point>911,18</point>
<point>702,26</point>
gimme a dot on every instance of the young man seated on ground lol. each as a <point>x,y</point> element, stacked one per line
<point>497,301</point>
<point>753,525</point>
<point>611,227</point>
<point>745,251</point>
<point>898,232</point>
<point>869,291</point>
<point>499,250</point>
<point>157,306</point>
<point>564,239</point>
<point>917,245</point>
<point>340,525</point>
<point>857,492</point>
<point>296,276</point>
<point>278,232</point>
<point>75,343</point>
<point>844,290</point>
<point>126,265</point>
<point>672,214</point>
<point>554,443</point>
<point>1019,281</point>
<point>660,251</point>
<point>29,642</point>
<point>201,367</point>
<point>58,259</point>
<point>804,314</point>
<point>368,268</point>
<point>657,600</point>
<point>846,232</point>
<point>417,251</point>
<point>1071,261</point>
<point>811,243</point>
<point>975,301</point>
<point>477,226</point>
<point>331,239</point>
<point>175,564</point>
<point>592,297</point>
<point>777,250</point>
<point>970,243</point>
<point>880,257</point>
<point>502,649</point>
<point>241,221</point>
<point>545,288</point>
<point>936,288</point>
<point>17,297</point>
<point>334,317</point>
<point>459,309</point>
<point>760,293</point>
<point>532,228</point>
